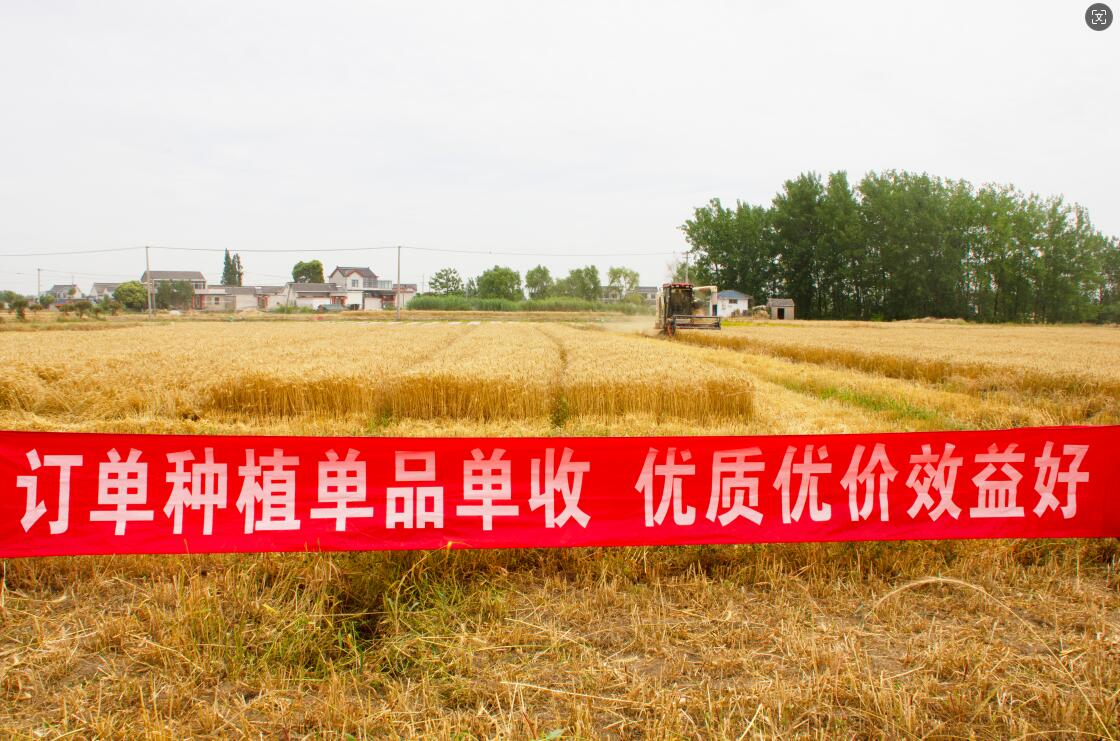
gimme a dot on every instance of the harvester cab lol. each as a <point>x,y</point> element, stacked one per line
<point>678,307</point>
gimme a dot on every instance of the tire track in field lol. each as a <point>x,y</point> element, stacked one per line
<point>560,409</point>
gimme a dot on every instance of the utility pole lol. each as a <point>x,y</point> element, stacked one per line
<point>148,273</point>
<point>397,300</point>
<point>686,267</point>
<point>38,282</point>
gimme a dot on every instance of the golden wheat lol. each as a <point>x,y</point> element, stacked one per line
<point>707,642</point>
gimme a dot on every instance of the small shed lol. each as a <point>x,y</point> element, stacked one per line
<point>732,303</point>
<point>780,308</point>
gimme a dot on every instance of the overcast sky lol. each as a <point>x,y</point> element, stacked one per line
<point>567,128</point>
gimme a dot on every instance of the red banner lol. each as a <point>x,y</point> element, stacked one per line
<point>67,493</point>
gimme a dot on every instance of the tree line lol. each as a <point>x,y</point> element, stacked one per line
<point>505,283</point>
<point>902,245</point>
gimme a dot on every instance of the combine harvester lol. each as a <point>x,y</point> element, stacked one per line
<point>677,307</point>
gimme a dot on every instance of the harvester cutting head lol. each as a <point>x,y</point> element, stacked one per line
<point>678,308</point>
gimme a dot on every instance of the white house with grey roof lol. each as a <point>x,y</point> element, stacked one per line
<point>63,292</point>
<point>731,303</point>
<point>102,291</point>
<point>364,290</point>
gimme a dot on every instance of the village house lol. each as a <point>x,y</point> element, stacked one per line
<point>610,294</point>
<point>195,278</point>
<point>308,295</point>
<point>103,291</point>
<point>648,294</point>
<point>225,298</point>
<point>407,293</point>
<point>65,292</point>
<point>264,293</point>
<point>364,290</point>
<point>780,308</point>
<point>731,303</point>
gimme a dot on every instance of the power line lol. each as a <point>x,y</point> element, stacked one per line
<point>71,252</point>
<point>276,251</point>
<point>316,250</point>
<point>539,254</point>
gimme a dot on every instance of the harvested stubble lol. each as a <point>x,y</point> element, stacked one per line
<point>754,641</point>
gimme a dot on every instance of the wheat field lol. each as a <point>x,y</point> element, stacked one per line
<point>1008,639</point>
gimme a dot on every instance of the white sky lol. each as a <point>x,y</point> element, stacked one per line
<point>574,128</point>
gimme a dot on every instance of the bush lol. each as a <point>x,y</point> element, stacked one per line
<point>431,302</point>
<point>292,310</point>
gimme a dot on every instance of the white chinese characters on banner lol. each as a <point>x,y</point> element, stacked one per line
<point>808,492</point>
<point>734,490</point>
<point>553,485</point>
<point>995,497</point>
<point>873,483</point>
<point>487,481</point>
<point>1050,475</point>
<point>35,508</point>
<point>122,484</point>
<point>414,506</point>
<point>343,484</point>
<point>672,494</point>
<point>275,492</point>
<point>938,472</point>
<point>203,487</point>
<point>564,478</point>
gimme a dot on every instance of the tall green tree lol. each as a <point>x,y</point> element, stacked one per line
<point>841,252</point>
<point>133,295</point>
<point>796,217</point>
<point>538,282</point>
<point>500,282</point>
<point>581,283</point>
<point>623,279</point>
<point>232,272</point>
<point>731,247</point>
<point>308,272</point>
<point>446,282</point>
<point>904,245</point>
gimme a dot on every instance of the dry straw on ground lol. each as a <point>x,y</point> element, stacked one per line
<point>890,640</point>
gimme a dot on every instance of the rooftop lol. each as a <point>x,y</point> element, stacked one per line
<point>364,272</point>
<point>314,287</point>
<point>173,275</point>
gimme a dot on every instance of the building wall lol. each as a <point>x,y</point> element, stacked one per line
<point>242,302</point>
<point>787,313</point>
<point>727,308</point>
<point>312,302</point>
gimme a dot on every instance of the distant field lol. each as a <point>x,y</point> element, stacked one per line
<point>1066,374</point>
<point>1017,639</point>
